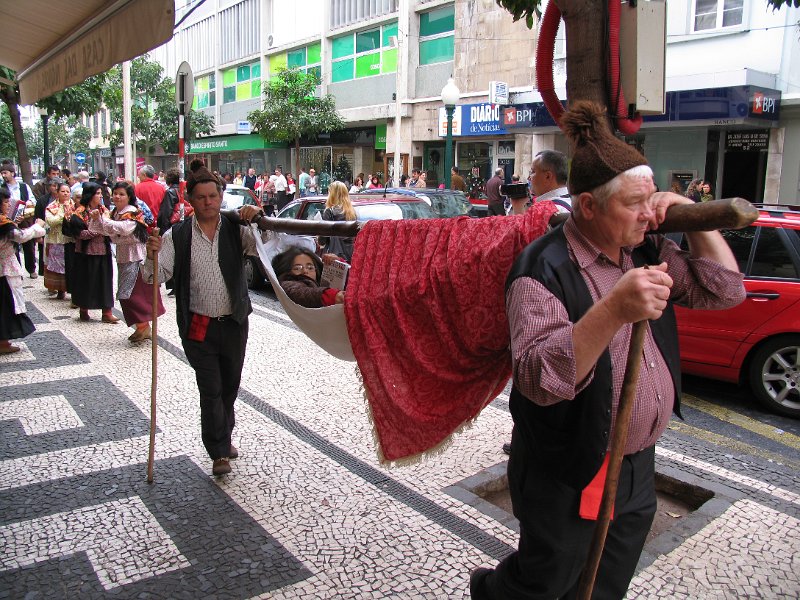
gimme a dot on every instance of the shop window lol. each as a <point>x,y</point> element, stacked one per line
<point>241,83</point>
<point>205,91</point>
<point>363,54</point>
<point>717,14</point>
<point>436,35</point>
<point>307,59</point>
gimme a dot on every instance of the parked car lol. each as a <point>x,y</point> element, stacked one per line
<point>445,203</point>
<point>757,342</point>
<point>367,207</point>
<point>236,196</point>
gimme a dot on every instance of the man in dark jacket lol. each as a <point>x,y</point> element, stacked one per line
<point>571,298</point>
<point>457,181</point>
<point>495,199</point>
<point>205,255</point>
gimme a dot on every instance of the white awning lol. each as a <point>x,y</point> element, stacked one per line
<point>53,44</point>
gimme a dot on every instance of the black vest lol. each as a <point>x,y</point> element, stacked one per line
<point>231,264</point>
<point>23,191</point>
<point>570,438</point>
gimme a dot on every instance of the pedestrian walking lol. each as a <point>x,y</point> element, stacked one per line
<point>14,323</point>
<point>127,230</point>
<point>571,298</point>
<point>205,256</point>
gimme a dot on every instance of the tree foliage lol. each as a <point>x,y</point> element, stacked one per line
<point>154,116</point>
<point>292,110</point>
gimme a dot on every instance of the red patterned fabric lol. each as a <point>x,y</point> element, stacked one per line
<point>426,319</point>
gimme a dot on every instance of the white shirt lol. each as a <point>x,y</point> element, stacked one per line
<point>279,181</point>
<point>562,193</point>
<point>14,190</point>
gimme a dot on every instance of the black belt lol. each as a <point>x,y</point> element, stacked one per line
<point>222,318</point>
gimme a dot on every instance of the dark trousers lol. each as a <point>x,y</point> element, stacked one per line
<point>29,255</point>
<point>554,541</point>
<point>281,199</point>
<point>217,362</point>
<point>496,209</point>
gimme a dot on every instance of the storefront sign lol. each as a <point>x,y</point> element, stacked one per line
<point>380,136</point>
<point>764,104</point>
<point>230,143</point>
<point>747,140</point>
<point>456,121</point>
<point>243,127</point>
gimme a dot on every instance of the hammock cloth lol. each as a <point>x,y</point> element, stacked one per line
<point>426,321</point>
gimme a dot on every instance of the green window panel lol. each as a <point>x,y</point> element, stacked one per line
<point>212,98</point>
<point>389,31</point>
<point>212,80</point>
<point>202,84</point>
<point>342,46</point>
<point>317,71</point>
<point>195,102</point>
<point>228,94</point>
<point>277,62</point>
<point>255,70</point>
<point>437,21</point>
<point>243,91</point>
<point>389,61</point>
<point>243,73</point>
<point>368,40</point>
<point>368,65</point>
<point>436,51</point>
<point>342,70</point>
<point>297,58</point>
<point>255,88</point>
<point>228,77</point>
<point>314,53</point>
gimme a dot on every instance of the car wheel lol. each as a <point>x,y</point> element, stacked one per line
<point>775,375</point>
<point>252,273</point>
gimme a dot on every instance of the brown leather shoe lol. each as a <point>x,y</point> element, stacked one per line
<point>141,334</point>
<point>222,466</point>
<point>234,452</point>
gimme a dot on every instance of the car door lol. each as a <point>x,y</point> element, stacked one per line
<point>766,256</point>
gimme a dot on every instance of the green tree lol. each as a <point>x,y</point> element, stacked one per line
<point>86,97</point>
<point>292,110</point>
<point>154,116</point>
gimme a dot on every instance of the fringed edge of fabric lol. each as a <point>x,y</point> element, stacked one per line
<point>419,457</point>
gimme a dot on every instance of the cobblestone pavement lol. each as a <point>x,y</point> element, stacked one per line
<point>308,512</point>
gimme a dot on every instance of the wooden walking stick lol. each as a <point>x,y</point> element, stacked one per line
<point>624,409</point>
<point>154,368</point>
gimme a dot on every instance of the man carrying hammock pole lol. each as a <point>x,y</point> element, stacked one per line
<point>571,298</point>
<point>204,254</point>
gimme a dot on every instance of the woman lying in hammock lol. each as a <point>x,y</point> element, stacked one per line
<point>300,275</point>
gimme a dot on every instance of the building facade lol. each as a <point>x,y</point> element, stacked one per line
<point>732,73</point>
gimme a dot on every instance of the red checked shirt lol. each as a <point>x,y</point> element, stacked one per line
<point>542,350</point>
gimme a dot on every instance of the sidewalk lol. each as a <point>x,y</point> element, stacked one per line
<point>307,512</point>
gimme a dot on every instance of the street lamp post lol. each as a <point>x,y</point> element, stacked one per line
<point>450,96</point>
<point>45,118</point>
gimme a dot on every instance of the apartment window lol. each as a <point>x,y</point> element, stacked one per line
<point>347,12</point>
<point>241,83</point>
<point>363,54</point>
<point>436,35</point>
<point>716,14</point>
<point>95,129</point>
<point>103,123</point>
<point>205,91</point>
<point>308,59</point>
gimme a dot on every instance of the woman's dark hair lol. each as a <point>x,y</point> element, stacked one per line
<point>282,263</point>
<point>173,176</point>
<point>89,190</point>
<point>128,187</point>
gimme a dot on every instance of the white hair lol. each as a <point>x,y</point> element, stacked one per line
<point>602,193</point>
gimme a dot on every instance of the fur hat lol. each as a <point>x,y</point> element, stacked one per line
<point>598,155</point>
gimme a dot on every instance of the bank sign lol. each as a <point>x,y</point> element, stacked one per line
<point>494,119</point>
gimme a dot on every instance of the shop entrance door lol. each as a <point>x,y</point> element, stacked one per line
<point>744,168</point>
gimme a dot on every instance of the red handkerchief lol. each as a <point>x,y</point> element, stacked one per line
<point>198,327</point>
<point>592,494</point>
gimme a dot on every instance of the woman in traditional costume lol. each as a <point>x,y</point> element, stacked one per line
<point>60,208</point>
<point>14,323</point>
<point>128,231</point>
<point>92,286</point>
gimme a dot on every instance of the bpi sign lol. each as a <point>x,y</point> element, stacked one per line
<point>764,105</point>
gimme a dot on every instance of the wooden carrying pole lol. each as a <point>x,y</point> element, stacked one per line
<point>154,369</point>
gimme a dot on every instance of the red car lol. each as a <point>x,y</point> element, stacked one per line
<point>757,342</point>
